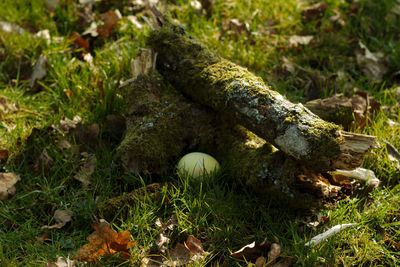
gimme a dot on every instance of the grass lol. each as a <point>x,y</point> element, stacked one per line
<point>224,215</point>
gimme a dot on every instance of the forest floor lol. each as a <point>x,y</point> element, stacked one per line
<point>61,65</point>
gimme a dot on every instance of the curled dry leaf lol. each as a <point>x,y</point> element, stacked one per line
<point>39,70</point>
<point>42,238</point>
<point>86,170</point>
<point>371,64</point>
<point>104,240</point>
<point>296,40</point>
<point>62,217</point>
<point>3,155</point>
<point>393,154</point>
<point>6,107</point>
<point>11,28</point>
<point>67,124</point>
<point>252,251</point>
<point>110,20</point>
<point>314,12</point>
<point>44,162</point>
<point>7,184</point>
<point>61,262</point>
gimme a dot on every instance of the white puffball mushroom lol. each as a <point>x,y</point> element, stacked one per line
<point>196,164</point>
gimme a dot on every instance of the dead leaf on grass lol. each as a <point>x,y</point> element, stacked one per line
<point>39,70</point>
<point>11,28</point>
<point>104,241</point>
<point>44,237</point>
<point>6,107</point>
<point>252,251</point>
<point>44,162</point>
<point>371,64</point>
<point>62,217</point>
<point>86,171</point>
<point>110,20</point>
<point>67,124</point>
<point>314,12</point>
<point>3,155</point>
<point>393,153</point>
<point>61,262</point>
<point>166,229</point>
<point>296,40</point>
<point>7,184</point>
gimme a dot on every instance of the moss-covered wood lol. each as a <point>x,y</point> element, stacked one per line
<point>163,125</point>
<point>245,99</point>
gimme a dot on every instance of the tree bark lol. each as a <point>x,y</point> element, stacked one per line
<point>245,99</point>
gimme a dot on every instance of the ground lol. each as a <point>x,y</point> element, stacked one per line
<point>354,44</point>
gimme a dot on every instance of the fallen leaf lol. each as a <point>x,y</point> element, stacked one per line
<point>252,251</point>
<point>393,244</point>
<point>332,231</point>
<point>134,21</point>
<point>296,40</point>
<point>260,261</point>
<point>61,262</point>
<point>7,184</point>
<point>288,65</point>
<point>6,107</point>
<point>79,41</point>
<point>62,217</point>
<point>43,163</point>
<point>110,20</point>
<point>67,124</point>
<point>104,241</point>
<point>42,238</point>
<point>39,70</point>
<point>44,34</point>
<point>86,171</point>
<point>393,153</point>
<point>11,28</point>
<point>166,229</point>
<point>64,144</point>
<point>362,175</point>
<point>3,155</point>
<point>52,4</point>
<point>274,252</point>
<point>314,12</point>
<point>371,64</point>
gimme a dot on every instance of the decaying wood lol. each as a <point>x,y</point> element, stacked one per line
<point>245,99</point>
<point>163,125</point>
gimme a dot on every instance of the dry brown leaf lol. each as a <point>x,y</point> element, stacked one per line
<point>296,40</point>
<point>6,107</point>
<point>274,252</point>
<point>260,261</point>
<point>314,12</point>
<point>44,162</point>
<point>61,262</point>
<point>39,70</point>
<point>3,155</point>
<point>44,237</point>
<point>7,184</point>
<point>86,170</point>
<point>79,41</point>
<point>64,144</point>
<point>110,20</point>
<point>252,251</point>
<point>393,154</point>
<point>11,28</point>
<point>67,124</point>
<point>371,64</point>
<point>104,241</point>
<point>165,231</point>
<point>62,217</point>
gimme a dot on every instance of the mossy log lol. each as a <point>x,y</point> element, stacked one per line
<point>245,99</point>
<point>163,125</point>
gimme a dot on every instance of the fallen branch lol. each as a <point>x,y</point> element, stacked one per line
<point>245,99</point>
